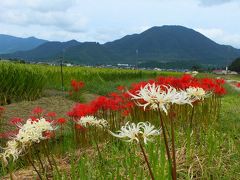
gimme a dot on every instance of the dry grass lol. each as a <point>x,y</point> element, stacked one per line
<point>52,100</point>
<point>58,104</point>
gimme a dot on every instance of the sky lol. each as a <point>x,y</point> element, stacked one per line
<point>107,20</point>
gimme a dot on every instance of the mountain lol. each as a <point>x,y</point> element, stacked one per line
<point>10,44</point>
<point>48,51</point>
<point>156,45</point>
<point>89,53</point>
<point>172,43</point>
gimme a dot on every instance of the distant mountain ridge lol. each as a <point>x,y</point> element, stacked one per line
<point>157,44</point>
<point>172,43</point>
<point>44,52</point>
<point>10,44</point>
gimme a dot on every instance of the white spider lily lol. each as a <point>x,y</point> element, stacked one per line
<point>92,121</point>
<point>197,93</point>
<point>32,131</point>
<point>148,132</point>
<point>129,132</point>
<point>182,97</point>
<point>12,150</point>
<point>135,132</point>
<point>160,97</point>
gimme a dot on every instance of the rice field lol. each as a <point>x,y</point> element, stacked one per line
<point>27,82</point>
<point>139,125</point>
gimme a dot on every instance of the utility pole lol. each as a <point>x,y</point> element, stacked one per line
<point>62,59</point>
<point>136,58</point>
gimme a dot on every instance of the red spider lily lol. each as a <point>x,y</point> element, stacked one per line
<point>121,101</point>
<point>37,111</point>
<point>77,85</point>
<point>80,110</point>
<point>48,134</point>
<point>51,114</point>
<point>120,88</point>
<point>9,134</point>
<point>186,81</point>
<point>114,102</point>
<point>220,81</point>
<point>219,91</point>
<point>33,118</point>
<point>125,113</point>
<point>61,121</point>
<point>79,127</point>
<point>2,109</point>
<point>99,103</point>
<point>49,120</point>
<point>16,120</point>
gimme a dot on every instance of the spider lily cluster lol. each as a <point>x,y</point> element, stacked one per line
<point>158,93</point>
<point>161,97</point>
<point>33,131</point>
<point>162,104</point>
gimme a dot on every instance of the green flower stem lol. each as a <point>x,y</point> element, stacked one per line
<point>47,155</point>
<point>191,119</point>
<point>34,167</point>
<point>95,141</point>
<point>39,158</point>
<point>54,162</point>
<point>146,160</point>
<point>174,171</point>
<point>165,141</point>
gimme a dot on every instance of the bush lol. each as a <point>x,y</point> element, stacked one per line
<point>235,66</point>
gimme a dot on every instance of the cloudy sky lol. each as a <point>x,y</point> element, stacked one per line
<point>106,20</point>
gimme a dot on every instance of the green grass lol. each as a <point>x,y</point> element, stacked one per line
<point>18,82</point>
<point>211,153</point>
<point>27,82</point>
<point>232,77</point>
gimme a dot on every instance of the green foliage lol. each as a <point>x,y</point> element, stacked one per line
<point>49,51</point>
<point>235,66</point>
<point>210,152</point>
<point>171,43</point>
<point>168,65</point>
<point>26,82</point>
<point>20,82</point>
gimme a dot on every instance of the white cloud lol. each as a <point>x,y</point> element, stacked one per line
<point>67,19</point>
<point>38,5</point>
<point>107,20</point>
<point>220,36</point>
<point>212,33</point>
<point>214,2</point>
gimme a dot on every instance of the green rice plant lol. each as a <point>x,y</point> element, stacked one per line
<point>27,82</point>
<point>20,82</point>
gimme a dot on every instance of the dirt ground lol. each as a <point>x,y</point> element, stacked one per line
<point>233,83</point>
<point>52,101</point>
<point>58,104</point>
